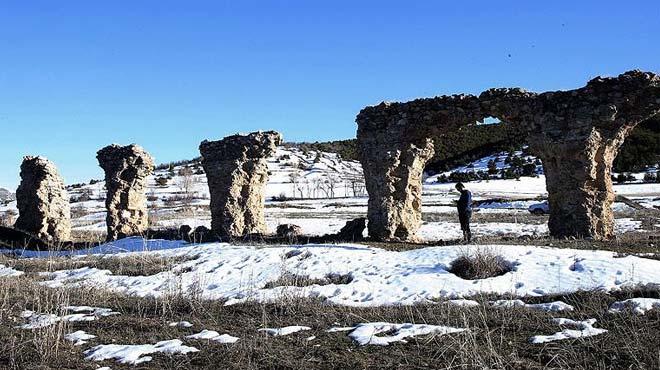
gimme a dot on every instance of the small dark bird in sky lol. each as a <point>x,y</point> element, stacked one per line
<point>509,55</point>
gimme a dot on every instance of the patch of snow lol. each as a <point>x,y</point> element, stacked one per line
<point>181,324</point>
<point>557,306</point>
<point>92,311</point>
<point>135,354</point>
<point>278,332</point>
<point>638,305</point>
<point>78,338</point>
<point>463,302</point>
<point>81,314</point>
<point>38,321</point>
<point>585,329</point>
<point>9,272</point>
<point>213,336</point>
<point>338,329</point>
<point>368,333</point>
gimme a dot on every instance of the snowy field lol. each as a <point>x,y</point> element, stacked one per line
<point>373,276</point>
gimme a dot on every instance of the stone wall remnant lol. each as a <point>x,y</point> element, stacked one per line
<point>42,201</point>
<point>126,171</point>
<point>577,134</point>
<point>395,141</point>
<point>237,174</point>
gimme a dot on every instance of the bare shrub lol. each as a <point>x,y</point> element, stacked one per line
<point>482,263</point>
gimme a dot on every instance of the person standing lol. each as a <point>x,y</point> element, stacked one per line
<point>465,211</point>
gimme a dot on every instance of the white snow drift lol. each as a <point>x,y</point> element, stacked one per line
<point>136,354</point>
<point>584,329</point>
<point>374,333</point>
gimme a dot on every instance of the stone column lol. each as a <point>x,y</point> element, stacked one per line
<point>395,141</point>
<point>42,201</point>
<point>577,134</point>
<point>237,174</point>
<point>126,171</point>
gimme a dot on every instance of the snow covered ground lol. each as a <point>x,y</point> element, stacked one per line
<point>375,276</point>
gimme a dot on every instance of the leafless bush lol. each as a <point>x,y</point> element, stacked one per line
<point>481,263</point>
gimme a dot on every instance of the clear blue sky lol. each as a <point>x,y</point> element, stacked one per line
<point>78,75</point>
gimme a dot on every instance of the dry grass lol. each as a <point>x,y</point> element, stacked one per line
<point>290,279</point>
<point>131,265</point>
<point>497,339</point>
<point>480,263</point>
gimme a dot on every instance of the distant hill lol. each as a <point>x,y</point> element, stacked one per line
<point>6,195</point>
<point>470,143</point>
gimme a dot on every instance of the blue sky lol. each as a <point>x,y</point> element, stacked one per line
<point>78,75</point>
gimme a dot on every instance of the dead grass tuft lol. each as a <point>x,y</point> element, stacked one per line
<point>482,263</point>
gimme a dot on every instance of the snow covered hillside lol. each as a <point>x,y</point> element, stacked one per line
<point>320,192</point>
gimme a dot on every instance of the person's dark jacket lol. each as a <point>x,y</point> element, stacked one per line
<point>465,202</point>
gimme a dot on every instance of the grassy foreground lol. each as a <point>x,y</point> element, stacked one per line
<point>497,338</point>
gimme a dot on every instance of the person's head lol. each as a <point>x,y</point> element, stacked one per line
<point>460,186</point>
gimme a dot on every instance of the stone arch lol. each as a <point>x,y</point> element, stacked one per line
<point>395,141</point>
<point>577,134</point>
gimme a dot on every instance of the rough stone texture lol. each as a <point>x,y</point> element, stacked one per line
<point>353,230</point>
<point>394,143</point>
<point>578,134</point>
<point>42,201</point>
<point>288,231</point>
<point>237,174</point>
<point>126,171</point>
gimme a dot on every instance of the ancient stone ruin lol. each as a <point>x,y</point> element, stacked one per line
<point>42,201</point>
<point>126,171</point>
<point>395,143</point>
<point>237,174</point>
<point>577,134</point>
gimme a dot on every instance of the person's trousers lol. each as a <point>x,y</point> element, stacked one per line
<point>464,218</point>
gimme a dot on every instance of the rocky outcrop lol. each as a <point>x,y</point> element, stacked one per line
<point>395,143</point>
<point>126,171</point>
<point>578,134</point>
<point>42,201</point>
<point>237,174</point>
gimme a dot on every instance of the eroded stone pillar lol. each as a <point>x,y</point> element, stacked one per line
<point>237,173</point>
<point>126,171</point>
<point>577,134</point>
<point>395,143</point>
<point>42,201</point>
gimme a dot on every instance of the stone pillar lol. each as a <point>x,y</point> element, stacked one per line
<point>577,134</point>
<point>126,171</point>
<point>42,201</point>
<point>237,174</point>
<point>395,141</point>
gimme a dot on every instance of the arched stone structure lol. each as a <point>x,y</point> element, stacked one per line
<point>394,143</point>
<point>42,201</point>
<point>577,134</point>
<point>126,171</point>
<point>237,174</point>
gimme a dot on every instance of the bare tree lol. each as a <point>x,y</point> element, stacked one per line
<point>186,184</point>
<point>295,182</point>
